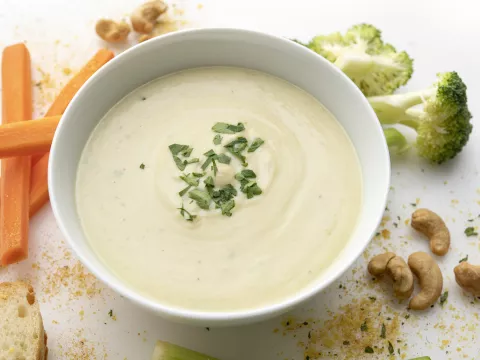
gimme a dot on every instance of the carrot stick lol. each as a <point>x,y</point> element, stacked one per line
<point>14,191</point>
<point>39,179</point>
<point>27,137</point>
<point>39,186</point>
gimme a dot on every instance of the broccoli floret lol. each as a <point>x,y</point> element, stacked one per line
<point>374,66</point>
<point>443,124</point>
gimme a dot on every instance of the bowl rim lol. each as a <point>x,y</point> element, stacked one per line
<point>182,314</point>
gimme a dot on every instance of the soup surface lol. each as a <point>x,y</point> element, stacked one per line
<point>270,245</point>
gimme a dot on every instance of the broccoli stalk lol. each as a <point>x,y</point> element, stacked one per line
<point>396,141</point>
<point>166,351</point>
<point>374,66</point>
<point>443,123</point>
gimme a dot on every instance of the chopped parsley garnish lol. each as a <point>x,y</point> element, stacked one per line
<point>186,215</point>
<point>463,259</point>
<point>373,298</point>
<point>191,161</point>
<point>224,197</point>
<point>176,149</point>
<point>212,157</point>
<point>256,144</point>
<point>470,231</point>
<point>209,182</point>
<point>190,179</point>
<point>184,191</point>
<point>245,174</point>
<point>346,343</point>
<point>142,166</point>
<point>391,350</point>
<point>202,198</point>
<point>217,140</point>
<point>236,147</point>
<point>224,128</point>
<point>227,207</point>
<point>443,298</point>
<point>383,332</point>
<point>110,313</point>
<point>224,159</point>
<point>247,185</point>
<point>364,326</point>
<point>181,165</point>
<point>369,350</point>
<point>251,189</point>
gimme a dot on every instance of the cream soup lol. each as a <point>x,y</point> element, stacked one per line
<point>273,245</point>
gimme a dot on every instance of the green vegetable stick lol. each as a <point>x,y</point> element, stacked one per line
<point>166,351</point>
<point>422,358</point>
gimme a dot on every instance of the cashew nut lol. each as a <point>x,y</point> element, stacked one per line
<point>468,277</point>
<point>432,225</point>
<point>397,269</point>
<point>112,31</point>
<point>145,16</point>
<point>145,37</point>
<point>378,264</point>
<point>430,279</point>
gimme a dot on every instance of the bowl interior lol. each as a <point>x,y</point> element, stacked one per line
<point>226,47</point>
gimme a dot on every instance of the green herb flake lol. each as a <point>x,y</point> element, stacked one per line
<point>224,128</point>
<point>190,179</point>
<point>199,175</point>
<point>470,231</point>
<point>255,144</point>
<point>211,159</point>
<point>443,298</point>
<point>209,181</point>
<point>248,174</point>
<point>346,343</point>
<point>176,149</point>
<point>110,313</point>
<point>186,152</point>
<point>184,191</point>
<point>464,259</point>
<point>191,161</point>
<point>217,140</point>
<point>142,166</point>
<point>373,298</point>
<point>186,215</point>
<point>227,207</point>
<point>407,316</point>
<point>202,198</point>
<point>364,326</point>
<point>181,165</point>
<point>224,159</point>
<point>223,196</point>
<point>383,332</point>
<point>369,350</point>
<point>251,189</point>
<point>391,350</point>
<point>236,147</point>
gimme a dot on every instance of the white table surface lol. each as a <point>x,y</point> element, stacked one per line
<point>440,35</point>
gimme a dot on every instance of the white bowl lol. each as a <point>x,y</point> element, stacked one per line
<point>228,47</point>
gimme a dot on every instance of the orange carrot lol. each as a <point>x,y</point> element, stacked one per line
<point>39,179</point>
<point>39,186</point>
<point>14,191</point>
<point>27,137</point>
